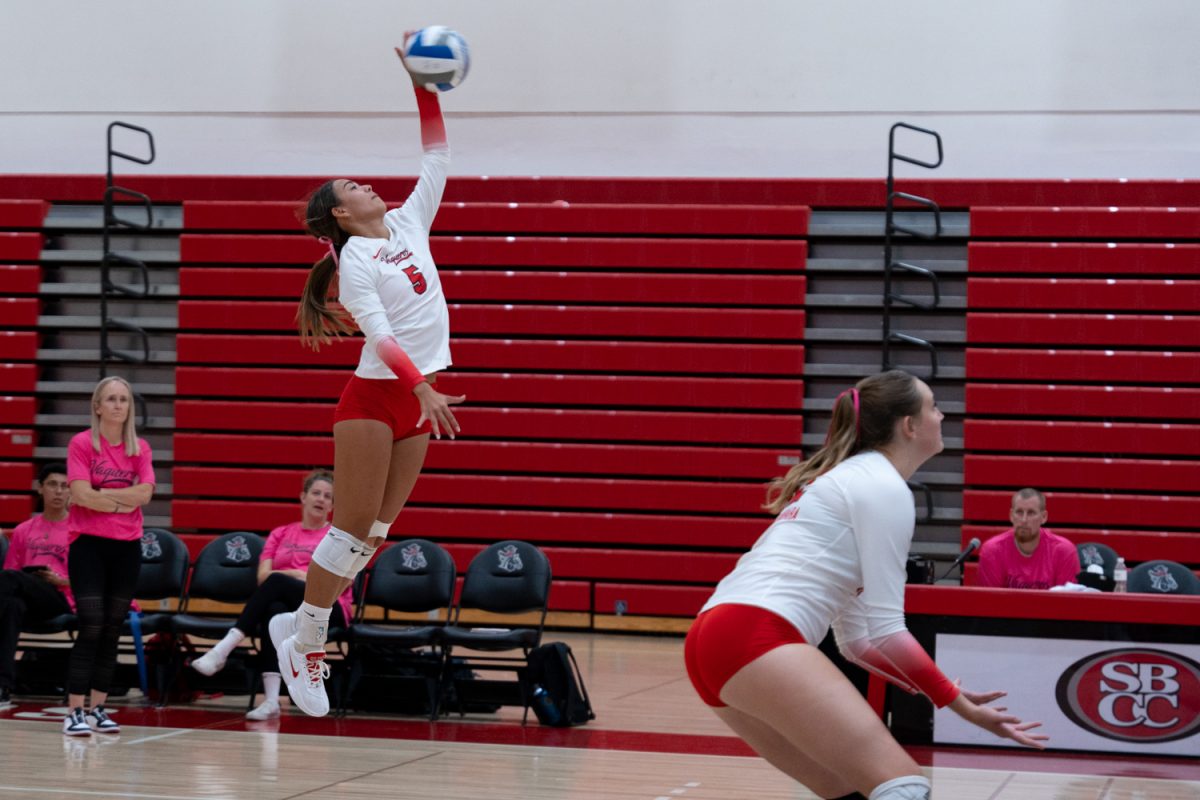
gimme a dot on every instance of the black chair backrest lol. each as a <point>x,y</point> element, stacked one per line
<point>164,565</point>
<point>227,568</point>
<point>1162,577</point>
<point>1097,553</point>
<point>507,578</point>
<point>413,575</point>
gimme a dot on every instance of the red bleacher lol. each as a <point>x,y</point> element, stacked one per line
<point>1083,374</point>
<point>632,352</point>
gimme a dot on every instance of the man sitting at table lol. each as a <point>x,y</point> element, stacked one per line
<point>1027,556</point>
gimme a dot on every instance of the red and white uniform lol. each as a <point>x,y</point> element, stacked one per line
<point>391,286</point>
<point>836,556</point>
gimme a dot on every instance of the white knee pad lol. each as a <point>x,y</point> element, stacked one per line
<point>342,554</point>
<point>909,787</point>
<point>379,530</point>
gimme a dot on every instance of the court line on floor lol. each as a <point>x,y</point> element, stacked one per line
<point>1000,788</point>
<point>364,775</point>
<point>90,793</point>
<point>648,689</point>
<point>162,736</point>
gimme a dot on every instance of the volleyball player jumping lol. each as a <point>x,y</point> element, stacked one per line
<point>835,555</point>
<point>389,284</point>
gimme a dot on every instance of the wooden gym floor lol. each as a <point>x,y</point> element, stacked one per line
<point>652,740</point>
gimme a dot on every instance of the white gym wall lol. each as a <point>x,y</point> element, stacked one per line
<point>1024,88</point>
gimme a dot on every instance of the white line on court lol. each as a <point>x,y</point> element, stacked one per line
<point>36,790</point>
<point>161,736</point>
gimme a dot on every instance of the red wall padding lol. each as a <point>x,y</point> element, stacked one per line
<point>610,357</point>
<point>488,524</point>
<point>18,378</point>
<point>533,218</point>
<point>1125,330</point>
<point>20,278</point>
<point>1083,401</point>
<point>21,246</point>
<point>1081,223</point>
<point>471,251</point>
<point>1105,474</point>
<point>1058,294</point>
<point>1122,510</point>
<point>495,387</point>
<point>1087,258</point>
<point>465,456</point>
<point>594,288</point>
<point>826,192</point>
<point>514,320</point>
<point>23,213</point>
<point>500,491</point>
<point>1153,367</point>
<point>1112,438</point>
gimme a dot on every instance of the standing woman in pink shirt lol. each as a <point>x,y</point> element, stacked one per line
<point>111,477</point>
<point>388,285</point>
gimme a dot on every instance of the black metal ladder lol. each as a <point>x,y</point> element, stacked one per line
<point>108,287</point>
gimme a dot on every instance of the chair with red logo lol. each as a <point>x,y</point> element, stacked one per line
<point>507,578</point>
<point>1163,577</point>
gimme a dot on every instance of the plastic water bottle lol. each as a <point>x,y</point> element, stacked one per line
<point>544,705</point>
<point>1120,575</point>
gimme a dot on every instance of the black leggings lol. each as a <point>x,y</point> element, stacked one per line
<point>23,597</point>
<point>278,594</point>
<point>103,574</point>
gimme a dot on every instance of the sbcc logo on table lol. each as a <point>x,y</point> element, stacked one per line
<point>1133,695</point>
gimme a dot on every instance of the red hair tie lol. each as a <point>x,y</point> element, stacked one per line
<point>325,240</point>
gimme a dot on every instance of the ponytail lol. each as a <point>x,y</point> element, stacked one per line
<point>864,418</point>
<point>318,322</point>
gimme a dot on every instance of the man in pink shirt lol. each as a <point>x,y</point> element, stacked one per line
<point>33,583</point>
<point>1027,556</point>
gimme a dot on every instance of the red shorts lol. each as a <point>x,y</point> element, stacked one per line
<point>726,638</point>
<point>384,400</point>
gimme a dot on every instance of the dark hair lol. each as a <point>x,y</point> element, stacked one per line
<point>882,399</point>
<point>49,469</point>
<point>317,321</point>
<point>317,475</point>
<point>1028,494</point>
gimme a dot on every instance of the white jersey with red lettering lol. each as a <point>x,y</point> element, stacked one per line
<point>391,286</point>
<point>837,556</point>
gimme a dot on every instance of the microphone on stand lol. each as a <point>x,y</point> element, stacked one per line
<point>972,546</point>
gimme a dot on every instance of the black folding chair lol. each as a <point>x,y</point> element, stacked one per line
<point>414,576</point>
<point>225,571</point>
<point>507,578</point>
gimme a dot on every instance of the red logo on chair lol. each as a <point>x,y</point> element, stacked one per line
<point>1133,695</point>
<point>510,558</point>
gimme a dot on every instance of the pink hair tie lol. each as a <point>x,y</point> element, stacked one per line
<point>857,413</point>
<point>325,240</point>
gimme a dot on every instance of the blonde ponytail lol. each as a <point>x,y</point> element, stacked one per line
<point>864,418</point>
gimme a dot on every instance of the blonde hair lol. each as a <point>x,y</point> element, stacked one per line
<point>864,423</point>
<point>129,431</point>
<point>319,323</point>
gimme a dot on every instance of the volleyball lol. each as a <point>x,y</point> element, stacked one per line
<point>437,58</point>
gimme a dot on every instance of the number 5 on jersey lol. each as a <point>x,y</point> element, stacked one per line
<point>418,280</point>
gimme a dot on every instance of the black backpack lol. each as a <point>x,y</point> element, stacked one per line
<point>557,694</point>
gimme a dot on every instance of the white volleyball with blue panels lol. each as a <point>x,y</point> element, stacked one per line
<point>437,57</point>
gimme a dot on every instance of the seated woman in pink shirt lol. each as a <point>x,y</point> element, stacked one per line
<point>281,571</point>
<point>1027,556</point>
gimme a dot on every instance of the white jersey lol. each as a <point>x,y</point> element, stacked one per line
<point>391,286</point>
<point>836,555</point>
